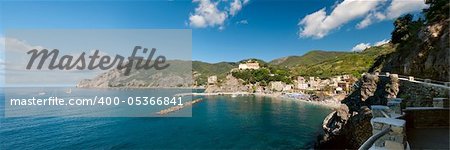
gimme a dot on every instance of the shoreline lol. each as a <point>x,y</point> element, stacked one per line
<point>193,88</point>
<point>329,103</point>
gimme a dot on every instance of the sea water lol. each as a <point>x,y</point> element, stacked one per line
<point>217,122</point>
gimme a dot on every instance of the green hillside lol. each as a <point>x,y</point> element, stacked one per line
<point>203,70</point>
<point>354,63</point>
<point>309,58</point>
<point>314,63</point>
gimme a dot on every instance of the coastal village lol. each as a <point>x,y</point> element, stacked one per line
<point>305,88</point>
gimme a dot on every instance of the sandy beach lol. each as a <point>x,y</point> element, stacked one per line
<point>330,103</point>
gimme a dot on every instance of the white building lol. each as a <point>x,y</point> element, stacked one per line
<point>301,79</point>
<point>212,80</point>
<point>302,86</point>
<point>276,86</point>
<point>287,88</point>
<point>249,65</point>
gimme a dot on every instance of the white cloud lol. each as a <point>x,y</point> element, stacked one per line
<point>242,22</point>
<point>208,14</point>
<point>365,22</point>
<point>400,7</point>
<point>395,9</point>
<point>236,6</point>
<point>2,64</point>
<point>17,44</point>
<point>381,42</point>
<point>319,24</point>
<point>360,47</point>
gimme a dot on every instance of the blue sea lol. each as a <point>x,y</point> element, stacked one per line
<point>217,122</point>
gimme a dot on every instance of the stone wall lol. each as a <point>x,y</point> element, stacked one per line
<point>427,117</point>
<point>349,126</point>
<point>420,95</point>
<point>395,138</point>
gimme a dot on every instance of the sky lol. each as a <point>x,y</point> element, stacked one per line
<point>228,30</point>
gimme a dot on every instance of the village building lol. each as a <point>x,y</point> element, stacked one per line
<point>313,84</point>
<point>344,85</point>
<point>287,88</point>
<point>212,80</point>
<point>302,86</point>
<point>301,79</point>
<point>300,83</point>
<point>276,86</point>
<point>345,77</point>
<point>338,90</point>
<point>249,65</point>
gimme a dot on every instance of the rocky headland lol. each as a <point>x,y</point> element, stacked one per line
<point>171,77</point>
<point>421,50</point>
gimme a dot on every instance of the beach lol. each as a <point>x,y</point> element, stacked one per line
<point>332,103</point>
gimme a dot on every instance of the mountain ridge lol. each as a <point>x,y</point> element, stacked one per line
<point>319,63</point>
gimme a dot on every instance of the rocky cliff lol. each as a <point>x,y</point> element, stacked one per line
<point>421,50</point>
<point>229,84</point>
<point>174,76</point>
<point>349,126</point>
<point>422,46</point>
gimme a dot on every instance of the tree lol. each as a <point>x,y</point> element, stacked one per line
<point>401,28</point>
<point>437,11</point>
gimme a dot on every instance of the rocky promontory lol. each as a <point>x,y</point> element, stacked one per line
<point>349,125</point>
<point>171,77</point>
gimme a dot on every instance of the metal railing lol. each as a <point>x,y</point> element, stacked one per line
<point>366,145</point>
<point>371,140</point>
<point>430,82</point>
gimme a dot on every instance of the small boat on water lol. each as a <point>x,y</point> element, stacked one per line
<point>68,91</point>
<point>41,93</point>
<point>234,95</point>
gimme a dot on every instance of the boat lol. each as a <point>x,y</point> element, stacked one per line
<point>68,91</point>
